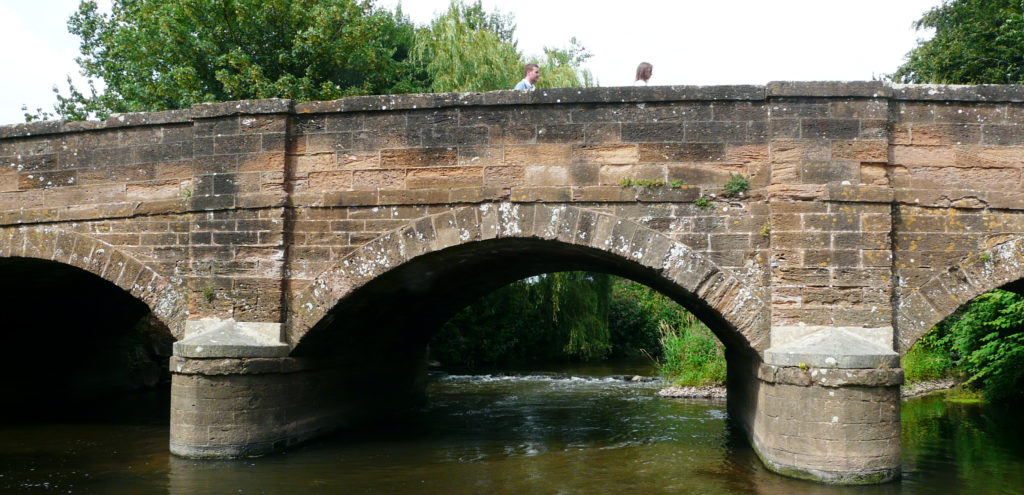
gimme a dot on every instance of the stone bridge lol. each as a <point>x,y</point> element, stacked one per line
<point>302,254</point>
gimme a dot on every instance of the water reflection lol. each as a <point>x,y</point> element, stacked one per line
<point>511,434</point>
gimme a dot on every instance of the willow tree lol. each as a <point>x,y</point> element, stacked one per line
<point>467,49</point>
<point>166,54</point>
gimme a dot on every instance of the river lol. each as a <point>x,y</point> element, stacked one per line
<point>573,432</point>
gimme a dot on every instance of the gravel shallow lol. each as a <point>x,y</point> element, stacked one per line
<point>709,392</point>
<point>908,391</point>
<point>917,389</point>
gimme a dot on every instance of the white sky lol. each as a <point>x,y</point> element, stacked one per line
<point>703,42</point>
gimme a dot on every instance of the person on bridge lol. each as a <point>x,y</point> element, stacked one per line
<point>643,73</point>
<point>532,74</point>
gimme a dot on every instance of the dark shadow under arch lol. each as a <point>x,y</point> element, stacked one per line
<point>72,337</point>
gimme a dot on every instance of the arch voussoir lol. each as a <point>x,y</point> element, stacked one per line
<point>446,231</point>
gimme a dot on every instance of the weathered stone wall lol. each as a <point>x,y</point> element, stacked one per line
<point>957,169</point>
<point>359,175</point>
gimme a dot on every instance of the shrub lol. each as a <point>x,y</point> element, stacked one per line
<point>985,340</point>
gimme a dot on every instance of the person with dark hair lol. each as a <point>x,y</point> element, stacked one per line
<point>643,73</point>
<point>532,73</point>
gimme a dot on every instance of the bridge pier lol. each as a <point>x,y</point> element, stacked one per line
<point>828,409</point>
<point>234,394</point>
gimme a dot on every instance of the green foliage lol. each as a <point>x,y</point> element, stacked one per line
<point>551,317</point>
<point>208,293</point>
<point>925,362</point>
<point>985,256</point>
<point>975,42</point>
<point>573,315</point>
<point>702,202</point>
<point>561,67</point>
<point>676,183</point>
<point>157,55</point>
<point>635,315</point>
<point>737,185</point>
<point>466,49</point>
<point>766,230</point>
<point>167,54</point>
<point>985,340</point>
<point>692,356</point>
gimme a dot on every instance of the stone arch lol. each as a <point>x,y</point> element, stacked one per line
<point>730,299</point>
<point>945,292</point>
<point>167,301</point>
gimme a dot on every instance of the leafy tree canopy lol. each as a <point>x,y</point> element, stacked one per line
<point>975,42</point>
<point>985,339</point>
<point>156,55</point>
<point>166,54</point>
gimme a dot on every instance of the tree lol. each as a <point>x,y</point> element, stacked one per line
<point>550,317</point>
<point>467,49</point>
<point>561,67</point>
<point>986,340</point>
<point>167,54</point>
<point>975,42</point>
<point>156,55</point>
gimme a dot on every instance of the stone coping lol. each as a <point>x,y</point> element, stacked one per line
<point>990,93</point>
<point>832,347</point>
<point>211,338</point>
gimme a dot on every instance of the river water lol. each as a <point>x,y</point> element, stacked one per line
<point>536,433</point>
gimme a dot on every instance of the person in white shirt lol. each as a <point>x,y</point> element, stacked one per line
<point>532,74</point>
<point>643,73</point>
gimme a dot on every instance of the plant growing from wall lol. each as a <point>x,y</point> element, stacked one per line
<point>628,182</point>
<point>702,202</point>
<point>737,185</point>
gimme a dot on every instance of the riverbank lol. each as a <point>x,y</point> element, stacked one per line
<point>908,391</point>
<point>919,389</point>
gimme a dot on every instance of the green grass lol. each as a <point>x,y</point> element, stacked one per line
<point>691,354</point>
<point>923,363</point>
